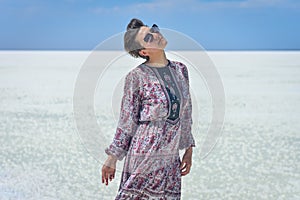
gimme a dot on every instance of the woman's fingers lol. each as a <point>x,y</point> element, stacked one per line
<point>185,170</point>
<point>109,169</point>
<point>108,173</point>
<point>182,166</point>
<point>186,163</point>
<point>112,176</point>
<point>104,176</point>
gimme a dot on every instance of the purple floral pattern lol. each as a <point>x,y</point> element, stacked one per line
<point>149,140</point>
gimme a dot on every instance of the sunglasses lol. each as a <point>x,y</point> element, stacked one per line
<point>149,37</point>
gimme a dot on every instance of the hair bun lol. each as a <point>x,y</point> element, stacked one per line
<point>135,23</point>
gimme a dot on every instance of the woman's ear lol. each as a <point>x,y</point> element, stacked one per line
<point>143,53</point>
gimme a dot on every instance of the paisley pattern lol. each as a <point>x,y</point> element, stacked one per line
<point>148,137</point>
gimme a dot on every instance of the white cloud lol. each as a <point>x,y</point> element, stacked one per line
<point>196,5</point>
<point>267,3</point>
<point>240,4</point>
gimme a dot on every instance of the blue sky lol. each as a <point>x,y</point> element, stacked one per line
<point>215,24</point>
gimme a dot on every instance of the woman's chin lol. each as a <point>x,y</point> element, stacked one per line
<point>163,43</point>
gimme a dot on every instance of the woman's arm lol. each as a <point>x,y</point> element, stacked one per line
<point>186,138</point>
<point>129,117</point>
<point>126,128</point>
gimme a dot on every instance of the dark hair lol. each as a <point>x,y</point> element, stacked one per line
<point>130,44</point>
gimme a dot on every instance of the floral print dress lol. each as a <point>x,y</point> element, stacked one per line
<point>154,124</point>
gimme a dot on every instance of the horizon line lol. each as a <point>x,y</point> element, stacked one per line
<point>50,49</point>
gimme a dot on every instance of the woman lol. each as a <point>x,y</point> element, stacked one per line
<point>155,121</point>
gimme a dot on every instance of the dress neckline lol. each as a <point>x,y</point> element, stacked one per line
<point>164,67</point>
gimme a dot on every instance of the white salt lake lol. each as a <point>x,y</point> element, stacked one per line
<point>43,156</point>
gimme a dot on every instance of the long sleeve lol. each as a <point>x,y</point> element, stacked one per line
<point>129,117</point>
<point>186,139</point>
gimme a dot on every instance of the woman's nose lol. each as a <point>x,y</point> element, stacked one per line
<point>156,36</point>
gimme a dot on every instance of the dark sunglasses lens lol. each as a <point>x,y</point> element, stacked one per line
<point>148,38</point>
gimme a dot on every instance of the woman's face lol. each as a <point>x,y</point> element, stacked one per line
<point>156,41</point>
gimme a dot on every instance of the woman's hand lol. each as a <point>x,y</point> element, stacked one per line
<point>186,162</point>
<point>109,169</point>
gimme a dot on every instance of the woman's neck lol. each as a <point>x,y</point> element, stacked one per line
<point>158,60</point>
